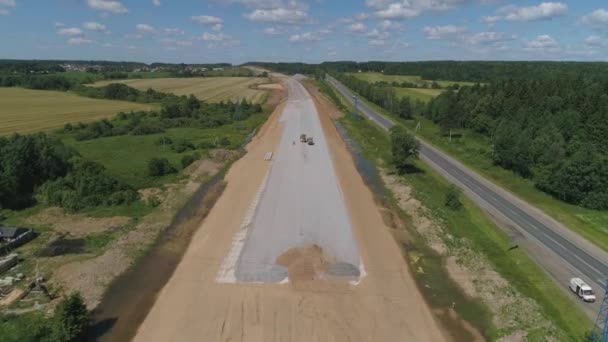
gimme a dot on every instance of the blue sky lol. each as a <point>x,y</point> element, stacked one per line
<point>236,31</point>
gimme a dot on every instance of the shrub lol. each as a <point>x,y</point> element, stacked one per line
<point>452,198</point>
<point>71,319</point>
<point>224,141</point>
<point>187,160</point>
<point>182,145</point>
<point>164,140</point>
<point>159,167</point>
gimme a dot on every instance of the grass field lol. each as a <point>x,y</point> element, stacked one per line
<point>378,77</point>
<point>26,111</point>
<point>212,89</point>
<point>126,157</point>
<point>422,94</point>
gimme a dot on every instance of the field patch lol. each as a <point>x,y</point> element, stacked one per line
<point>378,77</point>
<point>421,94</point>
<point>211,89</point>
<point>26,111</point>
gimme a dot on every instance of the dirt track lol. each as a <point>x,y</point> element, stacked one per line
<point>384,306</point>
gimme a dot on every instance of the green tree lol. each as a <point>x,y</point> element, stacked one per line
<point>452,198</point>
<point>159,167</point>
<point>71,319</point>
<point>403,147</point>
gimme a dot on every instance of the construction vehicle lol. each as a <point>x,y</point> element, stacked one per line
<point>303,138</point>
<point>310,141</point>
<point>584,291</point>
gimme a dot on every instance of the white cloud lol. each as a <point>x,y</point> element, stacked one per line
<point>596,41</point>
<point>207,20</point>
<point>111,6</point>
<point>390,25</point>
<point>542,43</point>
<point>173,32</point>
<point>489,38</point>
<point>443,32</point>
<point>357,28</point>
<point>543,11</point>
<point>144,28</point>
<point>134,36</point>
<point>58,24</point>
<point>254,3</point>
<point>377,34</point>
<point>403,9</point>
<point>272,31</point>
<point>278,15</point>
<point>597,18</point>
<point>304,37</point>
<point>71,31</point>
<point>8,3</point>
<point>212,37</point>
<point>377,42</point>
<point>79,41</point>
<point>93,26</point>
<point>156,3</point>
<point>217,27</point>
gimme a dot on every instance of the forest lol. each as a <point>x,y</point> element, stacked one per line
<point>40,168</point>
<point>465,71</point>
<point>381,95</point>
<point>552,131</point>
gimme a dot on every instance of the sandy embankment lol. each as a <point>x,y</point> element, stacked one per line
<point>384,306</point>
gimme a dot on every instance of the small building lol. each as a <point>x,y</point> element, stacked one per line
<point>13,237</point>
<point>9,234</point>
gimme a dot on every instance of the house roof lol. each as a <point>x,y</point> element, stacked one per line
<point>11,232</point>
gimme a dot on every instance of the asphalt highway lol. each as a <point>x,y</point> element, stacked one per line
<point>576,257</point>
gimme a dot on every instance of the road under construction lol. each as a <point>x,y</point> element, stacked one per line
<point>295,249</point>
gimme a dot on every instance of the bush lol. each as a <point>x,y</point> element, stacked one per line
<point>205,145</point>
<point>87,185</point>
<point>187,160</point>
<point>403,147</point>
<point>452,198</point>
<point>224,141</point>
<point>159,167</point>
<point>71,319</point>
<point>163,141</point>
<point>182,145</point>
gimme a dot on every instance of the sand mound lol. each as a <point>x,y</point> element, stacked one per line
<point>303,264</point>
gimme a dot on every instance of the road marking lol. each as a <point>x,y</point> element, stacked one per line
<point>226,272</point>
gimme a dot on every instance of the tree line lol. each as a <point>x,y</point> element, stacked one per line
<point>467,71</point>
<point>554,132</point>
<point>175,112</point>
<point>40,168</point>
<point>380,95</point>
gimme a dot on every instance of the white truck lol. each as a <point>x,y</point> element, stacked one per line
<point>584,291</point>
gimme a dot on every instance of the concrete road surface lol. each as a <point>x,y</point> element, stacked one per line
<point>301,204</point>
<point>562,253</point>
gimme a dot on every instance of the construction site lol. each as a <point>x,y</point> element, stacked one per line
<point>294,250</point>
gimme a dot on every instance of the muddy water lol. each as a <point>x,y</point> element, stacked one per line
<point>127,301</point>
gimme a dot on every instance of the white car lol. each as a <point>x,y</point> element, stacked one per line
<point>584,291</point>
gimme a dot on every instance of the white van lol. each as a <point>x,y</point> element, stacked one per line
<point>584,291</point>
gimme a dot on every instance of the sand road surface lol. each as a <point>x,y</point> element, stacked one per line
<point>285,286</point>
